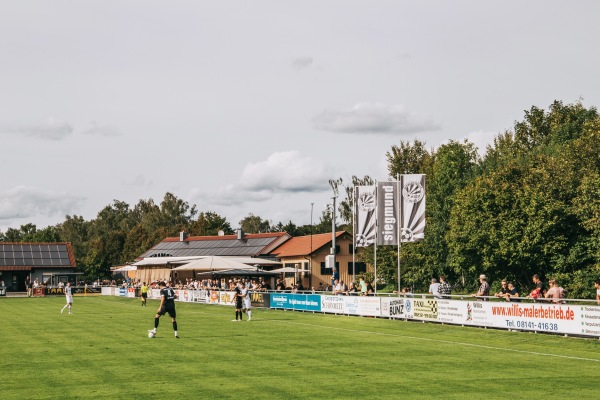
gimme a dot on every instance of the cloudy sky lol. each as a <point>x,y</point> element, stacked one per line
<point>252,106</point>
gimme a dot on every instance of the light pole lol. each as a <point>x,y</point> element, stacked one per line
<point>311,244</point>
<point>333,232</point>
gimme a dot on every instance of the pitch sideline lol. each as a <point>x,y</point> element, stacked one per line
<point>481,346</point>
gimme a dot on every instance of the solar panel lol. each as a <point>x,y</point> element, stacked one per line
<point>34,255</point>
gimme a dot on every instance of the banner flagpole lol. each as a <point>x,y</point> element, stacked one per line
<point>354,236</point>
<point>376,237</point>
<point>398,224</point>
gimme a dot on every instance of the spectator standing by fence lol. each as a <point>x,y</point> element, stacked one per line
<point>433,287</point>
<point>503,289</point>
<point>484,288</point>
<point>279,286</point>
<point>555,292</point>
<point>541,286</point>
<point>512,292</point>
<point>444,288</point>
<point>363,286</point>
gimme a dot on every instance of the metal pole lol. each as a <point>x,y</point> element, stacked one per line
<point>398,223</point>
<point>376,236</point>
<point>311,244</point>
<point>353,237</point>
<point>333,233</point>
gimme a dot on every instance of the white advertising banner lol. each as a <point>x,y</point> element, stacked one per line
<point>199,296</point>
<point>561,318</point>
<point>590,319</point>
<point>368,305</point>
<point>334,304</point>
<point>214,297</point>
<point>425,309</point>
<point>227,298</point>
<point>394,307</point>
<point>455,312</point>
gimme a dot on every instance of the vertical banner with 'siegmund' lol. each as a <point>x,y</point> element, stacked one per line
<point>387,213</point>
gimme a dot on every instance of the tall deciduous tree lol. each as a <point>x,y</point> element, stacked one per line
<point>455,165</point>
<point>210,223</point>
<point>408,158</point>
<point>255,224</point>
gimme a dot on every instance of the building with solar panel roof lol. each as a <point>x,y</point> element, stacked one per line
<point>252,248</point>
<point>49,263</point>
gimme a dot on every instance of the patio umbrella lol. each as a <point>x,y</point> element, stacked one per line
<point>212,263</point>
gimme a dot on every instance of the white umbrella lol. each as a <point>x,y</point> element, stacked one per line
<point>125,268</point>
<point>165,260</point>
<point>289,269</point>
<point>212,263</point>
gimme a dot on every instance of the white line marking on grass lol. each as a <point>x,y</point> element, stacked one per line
<point>482,346</point>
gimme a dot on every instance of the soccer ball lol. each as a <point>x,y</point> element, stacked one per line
<point>151,334</point>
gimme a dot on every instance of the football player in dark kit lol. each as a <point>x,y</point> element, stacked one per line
<point>238,301</point>
<point>167,305</point>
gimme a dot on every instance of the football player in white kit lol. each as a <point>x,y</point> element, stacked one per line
<point>69,296</point>
<point>246,301</point>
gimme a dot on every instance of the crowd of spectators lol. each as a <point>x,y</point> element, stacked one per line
<point>508,290</point>
<point>440,289</point>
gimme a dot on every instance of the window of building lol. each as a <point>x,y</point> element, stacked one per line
<point>329,271</point>
<point>290,274</point>
<point>351,248</point>
<point>359,268</point>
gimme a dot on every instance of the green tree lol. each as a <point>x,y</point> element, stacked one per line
<point>325,221</point>
<point>210,223</point>
<point>75,231</point>
<point>346,205</point>
<point>289,228</point>
<point>176,213</point>
<point>107,236</point>
<point>518,218</point>
<point>255,224</point>
<point>455,166</point>
<point>409,158</point>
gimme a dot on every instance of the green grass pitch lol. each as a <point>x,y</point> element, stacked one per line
<point>102,352</point>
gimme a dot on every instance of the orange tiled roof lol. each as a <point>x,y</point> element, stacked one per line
<point>301,245</point>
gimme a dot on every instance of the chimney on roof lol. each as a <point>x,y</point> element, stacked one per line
<point>240,234</point>
<point>182,236</point>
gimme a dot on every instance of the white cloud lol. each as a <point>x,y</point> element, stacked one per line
<point>281,175</point>
<point>374,118</point>
<point>138,181</point>
<point>24,202</point>
<point>228,196</point>
<point>287,171</point>
<point>51,129</point>
<point>102,130</point>
<point>302,62</point>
